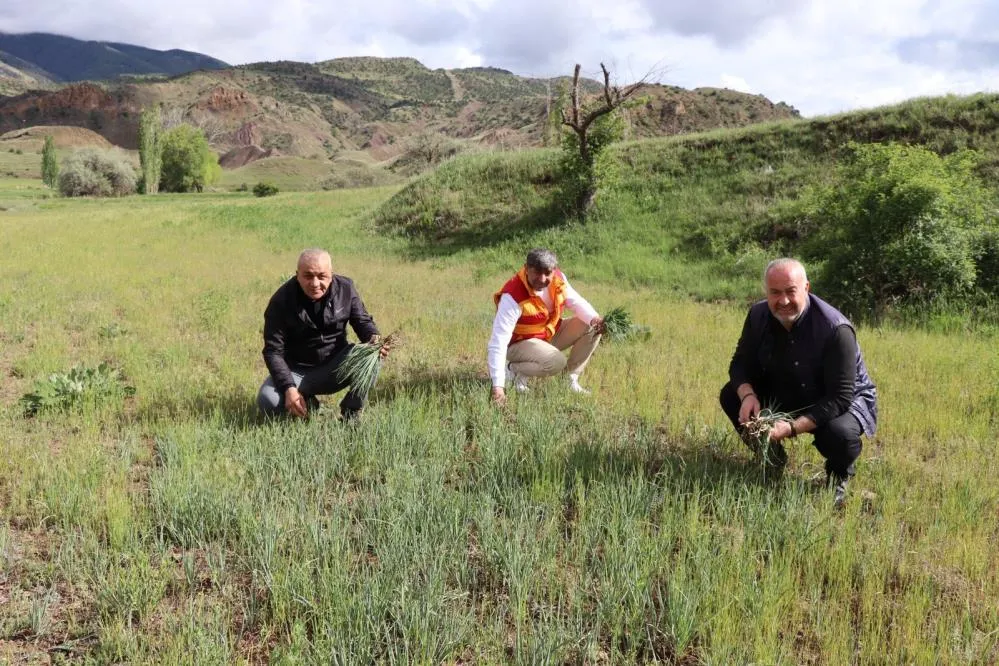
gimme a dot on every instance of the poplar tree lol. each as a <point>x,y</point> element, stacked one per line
<point>50,165</point>
<point>150,150</point>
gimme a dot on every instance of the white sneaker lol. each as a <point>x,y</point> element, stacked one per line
<point>519,381</point>
<point>576,388</point>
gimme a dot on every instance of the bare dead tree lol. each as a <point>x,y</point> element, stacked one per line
<point>580,120</point>
<point>171,116</point>
<point>213,127</point>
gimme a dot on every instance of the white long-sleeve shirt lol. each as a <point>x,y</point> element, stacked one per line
<point>507,315</point>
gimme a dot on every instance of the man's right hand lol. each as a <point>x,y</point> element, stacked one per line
<point>499,396</point>
<point>295,403</point>
<point>749,409</point>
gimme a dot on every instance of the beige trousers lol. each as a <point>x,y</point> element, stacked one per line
<point>537,358</point>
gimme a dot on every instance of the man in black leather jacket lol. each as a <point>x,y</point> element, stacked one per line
<point>305,338</point>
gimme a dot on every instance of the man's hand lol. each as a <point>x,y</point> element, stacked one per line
<point>749,409</point>
<point>295,403</point>
<point>598,325</point>
<point>779,431</point>
<point>384,351</point>
<point>499,396</point>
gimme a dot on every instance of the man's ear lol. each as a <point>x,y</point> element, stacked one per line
<point>808,287</point>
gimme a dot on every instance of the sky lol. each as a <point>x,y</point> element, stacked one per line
<point>820,56</point>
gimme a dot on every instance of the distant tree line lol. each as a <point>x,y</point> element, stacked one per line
<point>178,159</point>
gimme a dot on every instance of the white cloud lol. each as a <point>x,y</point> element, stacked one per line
<point>735,83</point>
<point>821,56</point>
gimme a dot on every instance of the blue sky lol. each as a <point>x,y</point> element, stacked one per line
<point>821,56</point>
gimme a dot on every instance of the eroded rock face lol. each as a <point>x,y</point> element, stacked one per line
<point>114,116</point>
<point>248,134</point>
<point>225,100</point>
<point>242,156</point>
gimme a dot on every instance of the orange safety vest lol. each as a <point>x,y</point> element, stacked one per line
<point>535,319</point>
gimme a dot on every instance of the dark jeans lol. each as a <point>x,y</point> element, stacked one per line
<point>311,382</point>
<point>838,440</point>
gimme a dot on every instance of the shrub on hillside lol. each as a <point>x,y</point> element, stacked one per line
<point>187,162</point>
<point>263,189</point>
<point>898,225</point>
<point>96,173</point>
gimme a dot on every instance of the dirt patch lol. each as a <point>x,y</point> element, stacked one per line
<point>31,139</point>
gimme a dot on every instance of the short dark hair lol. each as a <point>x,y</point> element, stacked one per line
<point>541,259</point>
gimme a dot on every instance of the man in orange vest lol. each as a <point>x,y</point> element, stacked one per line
<point>528,332</point>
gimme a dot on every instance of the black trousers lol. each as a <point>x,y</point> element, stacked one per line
<point>838,440</point>
<point>321,380</point>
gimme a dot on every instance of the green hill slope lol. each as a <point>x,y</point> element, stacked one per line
<point>699,214</point>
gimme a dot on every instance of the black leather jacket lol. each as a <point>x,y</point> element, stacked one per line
<point>292,338</point>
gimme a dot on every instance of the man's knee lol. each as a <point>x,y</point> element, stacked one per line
<point>555,363</point>
<point>844,431</point>
<point>269,400</point>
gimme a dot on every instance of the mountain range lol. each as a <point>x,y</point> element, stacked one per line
<point>41,59</point>
<point>370,110</point>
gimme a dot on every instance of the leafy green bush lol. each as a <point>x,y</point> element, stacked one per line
<point>580,177</point>
<point>63,390</point>
<point>263,189</point>
<point>897,225</point>
<point>96,173</point>
<point>187,162</point>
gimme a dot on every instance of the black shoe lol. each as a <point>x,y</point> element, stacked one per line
<point>351,416</point>
<point>838,485</point>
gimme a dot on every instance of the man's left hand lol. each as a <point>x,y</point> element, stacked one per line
<point>598,325</point>
<point>779,431</point>
<point>384,351</point>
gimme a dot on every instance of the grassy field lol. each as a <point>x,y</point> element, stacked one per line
<point>628,527</point>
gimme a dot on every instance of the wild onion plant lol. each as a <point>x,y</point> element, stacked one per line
<point>757,431</point>
<point>360,368</point>
<point>620,326</point>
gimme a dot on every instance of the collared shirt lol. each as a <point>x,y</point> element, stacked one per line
<point>508,313</point>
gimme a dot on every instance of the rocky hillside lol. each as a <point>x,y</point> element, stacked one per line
<point>369,109</point>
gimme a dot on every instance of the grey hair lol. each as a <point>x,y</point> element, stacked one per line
<point>541,259</point>
<point>313,254</point>
<point>780,263</point>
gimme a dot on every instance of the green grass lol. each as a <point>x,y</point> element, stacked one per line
<point>628,527</point>
<point>299,174</point>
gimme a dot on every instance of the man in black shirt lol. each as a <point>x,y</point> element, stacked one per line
<point>799,354</point>
<point>305,338</point>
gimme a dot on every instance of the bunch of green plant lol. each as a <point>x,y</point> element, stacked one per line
<point>96,173</point>
<point>359,369</point>
<point>50,165</point>
<point>263,189</point>
<point>63,390</point>
<point>898,225</point>
<point>758,431</point>
<point>188,163</point>
<point>620,326</point>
